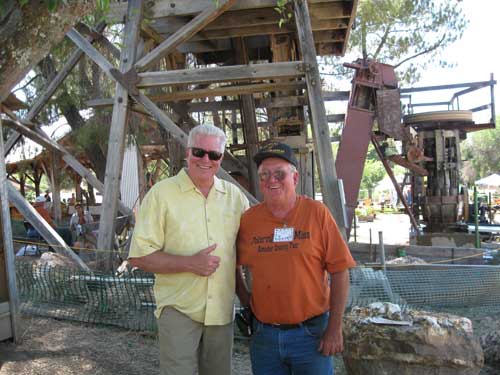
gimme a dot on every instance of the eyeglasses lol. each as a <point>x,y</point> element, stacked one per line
<point>278,175</point>
<point>212,155</point>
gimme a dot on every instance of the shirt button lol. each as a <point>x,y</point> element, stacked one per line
<point>209,296</point>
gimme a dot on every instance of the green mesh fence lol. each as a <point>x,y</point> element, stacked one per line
<point>127,300</point>
<point>445,288</point>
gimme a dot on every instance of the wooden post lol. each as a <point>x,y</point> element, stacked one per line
<point>116,144</point>
<point>55,177</point>
<point>42,227</point>
<point>162,119</point>
<point>184,33</point>
<point>252,141</point>
<point>8,246</point>
<point>42,139</point>
<point>317,113</point>
<point>249,123</point>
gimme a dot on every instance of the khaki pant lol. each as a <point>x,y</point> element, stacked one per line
<point>186,345</point>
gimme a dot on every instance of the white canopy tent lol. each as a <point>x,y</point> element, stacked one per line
<point>491,182</point>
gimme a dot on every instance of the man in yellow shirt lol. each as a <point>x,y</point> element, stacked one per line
<point>185,233</point>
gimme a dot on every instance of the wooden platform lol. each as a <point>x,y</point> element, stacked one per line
<point>255,20</point>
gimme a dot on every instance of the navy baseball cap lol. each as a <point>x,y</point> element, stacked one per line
<point>275,150</point>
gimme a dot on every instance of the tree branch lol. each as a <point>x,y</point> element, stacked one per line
<point>430,49</point>
<point>363,42</point>
<point>382,41</point>
<point>27,84</point>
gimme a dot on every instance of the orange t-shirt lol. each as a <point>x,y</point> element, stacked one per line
<point>290,278</point>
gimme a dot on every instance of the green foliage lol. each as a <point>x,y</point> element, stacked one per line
<point>481,155</point>
<point>284,11</point>
<point>401,32</point>
<point>53,5</point>
<point>96,130</point>
<point>365,211</point>
<point>373,173</point>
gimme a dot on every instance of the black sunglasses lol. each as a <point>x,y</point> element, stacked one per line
<point>212,155</point>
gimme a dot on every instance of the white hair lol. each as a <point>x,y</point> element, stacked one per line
<point>205,129</point>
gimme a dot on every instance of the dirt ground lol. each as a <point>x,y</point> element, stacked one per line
<point>57,347</point>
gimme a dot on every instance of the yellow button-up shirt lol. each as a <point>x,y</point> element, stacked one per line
<point>175,217</point>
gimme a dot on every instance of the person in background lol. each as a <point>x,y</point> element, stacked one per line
<point>299,262</point>
<point>83,235</point>
<point>185,234</point>
<point>39,205</point>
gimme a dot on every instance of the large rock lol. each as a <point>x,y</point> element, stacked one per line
<point>56,260</point>
<point>490,343</point>
<point>381,339</point>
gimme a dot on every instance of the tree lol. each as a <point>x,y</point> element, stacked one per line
<point>373,173</point>
<point>481,155</point>
<point>401,32</point>
<point>27,32</point>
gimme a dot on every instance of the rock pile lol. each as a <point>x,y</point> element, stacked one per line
<point>383,339</point>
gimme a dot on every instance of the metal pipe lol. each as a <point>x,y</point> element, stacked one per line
<point>370,253</point>
<point>476,220</point>
<point>355,225</point>
<point>382,249</point>
<point>395,183</point>
<point>492,94</point>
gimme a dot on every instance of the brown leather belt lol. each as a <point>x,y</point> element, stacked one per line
<point>285,326</point>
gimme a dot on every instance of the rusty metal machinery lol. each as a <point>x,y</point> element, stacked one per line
<point>431,154</point>
<point>439,199</point>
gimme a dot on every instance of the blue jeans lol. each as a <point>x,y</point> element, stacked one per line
<point>274,351</point>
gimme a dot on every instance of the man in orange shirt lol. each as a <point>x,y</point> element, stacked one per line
<point>299,264</point>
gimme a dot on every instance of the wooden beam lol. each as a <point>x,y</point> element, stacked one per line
<point>184,33</point>
<point>330,96</point>
<point>51,88</point>
<point>269,16</point>
<point>249,120</point>
<point>321,132</point>
<point>254,30</point>
<point>117,133</point>
<point>354,9</point>
<point>229,91</point>
<point>221,74</point>
<point>166,8</point>
<point>336,118</point>
<point>140,98</point>
<point>395,183</point>
<point>8,247</point>
<point>275,102</point>
<point>398,159</point>
<point>181,137</point>
<point>42,139</point>
<point>46,231</point>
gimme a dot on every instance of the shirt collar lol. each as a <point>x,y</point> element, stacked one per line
<point>186,184</point>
